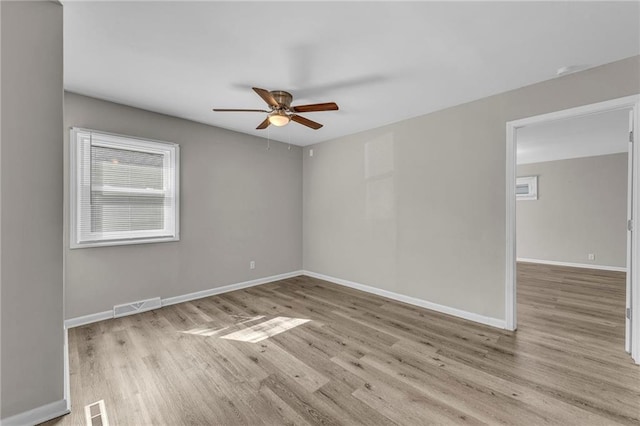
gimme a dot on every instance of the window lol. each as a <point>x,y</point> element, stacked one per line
<point>124,190</point>
<point>527,188</point>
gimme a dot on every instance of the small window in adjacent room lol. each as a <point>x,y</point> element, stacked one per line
<point>527,188</point>
<point>123,190</point>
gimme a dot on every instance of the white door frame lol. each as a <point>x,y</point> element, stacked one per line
<point>510,276</point>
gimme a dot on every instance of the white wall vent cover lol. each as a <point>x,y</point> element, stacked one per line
<point>136,307</point>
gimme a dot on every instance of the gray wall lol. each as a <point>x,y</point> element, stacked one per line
<point>418,207</point>
<point>581,208</point>
<point>31,197</point>
<point>238,202</point>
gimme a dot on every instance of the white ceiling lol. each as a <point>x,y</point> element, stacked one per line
<point>380,61</point>
<point>588,136</point>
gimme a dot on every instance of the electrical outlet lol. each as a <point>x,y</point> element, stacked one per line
<point>252,264</point>
<point>591,256</point>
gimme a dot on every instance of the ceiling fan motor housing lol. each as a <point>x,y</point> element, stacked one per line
<point>282,98</point>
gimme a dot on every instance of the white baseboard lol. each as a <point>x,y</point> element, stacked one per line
<point>227,288</point>
<point>493,322</point>
<point>100,316</point>
<point>573,265</point>
<point>88,319</point>
<point>38,415</point>
<point>67,372</point>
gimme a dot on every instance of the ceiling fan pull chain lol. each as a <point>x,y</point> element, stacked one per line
<point>268,139</point>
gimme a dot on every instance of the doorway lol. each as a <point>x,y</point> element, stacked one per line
<point>528,188</point>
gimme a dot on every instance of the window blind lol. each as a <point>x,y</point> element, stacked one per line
<point>125,190</point>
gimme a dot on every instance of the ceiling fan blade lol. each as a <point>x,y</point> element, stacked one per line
<point>327,106</point>
<point>264,124</point>
<point>238,110</point>
<point>306,122</point>
<point>267,97</point>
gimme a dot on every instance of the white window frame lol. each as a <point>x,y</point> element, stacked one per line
<point>532,185</point>
<point>79,147</point>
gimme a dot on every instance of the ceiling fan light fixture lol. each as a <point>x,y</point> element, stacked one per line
<point>279,118</point>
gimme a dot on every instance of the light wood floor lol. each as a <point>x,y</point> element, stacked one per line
<point>367,360</point>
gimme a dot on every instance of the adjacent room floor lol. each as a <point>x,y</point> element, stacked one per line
<point>249,357</point>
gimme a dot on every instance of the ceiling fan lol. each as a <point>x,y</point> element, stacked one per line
<point>280,110</point>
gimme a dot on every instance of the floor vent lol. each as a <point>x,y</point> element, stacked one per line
<point>96,414</point>
<point>136,307</point>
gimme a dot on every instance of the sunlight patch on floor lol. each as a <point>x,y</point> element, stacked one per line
<point>243,331</point>
<point>259,332</point>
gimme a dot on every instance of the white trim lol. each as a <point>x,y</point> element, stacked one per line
<point>634,268</point>
<point>493,322</point>
<point>584,110</point>
<point>573,265</point>
<point>78,213</point>
<point>88,319</point>
<point>100,316</point>
<point>38,415</point>
<point>628,338</point>
<point>510,306</point>
<point>227,288</point>
<point>631,102</point>
<point>66,371</point>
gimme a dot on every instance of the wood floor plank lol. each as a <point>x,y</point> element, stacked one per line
<point>404,403</point>
<point>364,359</point>
<point>556,411</point>
<point>313,410</point>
